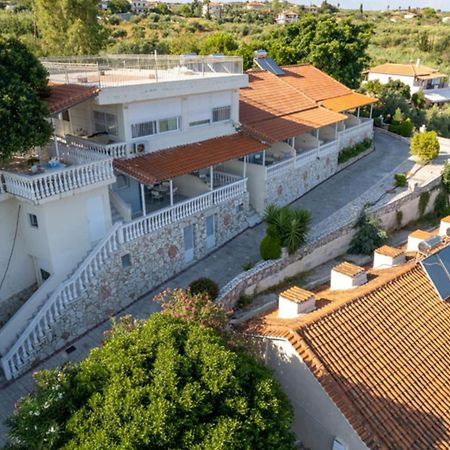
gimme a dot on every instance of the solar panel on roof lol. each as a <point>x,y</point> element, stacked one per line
<point>437,267</point>
<point>268,64</point>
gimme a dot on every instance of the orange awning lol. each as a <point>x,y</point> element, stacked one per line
<point>317,117</point>
<point>349,101</point>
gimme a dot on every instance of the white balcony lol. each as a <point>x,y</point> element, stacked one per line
<point>356,133</point>
<point>112,149</point>
<point>75,170</point>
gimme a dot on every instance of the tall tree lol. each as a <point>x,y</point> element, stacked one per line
<point>336,47</point>
<point>23,116</point>
<point>167,383</point>
<point>69,27</point>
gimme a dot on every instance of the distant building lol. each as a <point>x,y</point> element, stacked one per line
<point>142,6</point>
<point>446,20</point>
<point>286,17</point>
<point>409,16</point>
<point>103,4</point>
<point>417,76</point>
<point>256,6</point>
<point>213,9</point>
<point>366,363</point>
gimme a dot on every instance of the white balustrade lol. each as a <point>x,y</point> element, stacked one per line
<point>328,149</point>
<point>222,178</point>
<point>115,149</point>
<point>56,182</point>
<point>356,133</point>
<point>305,157</point>
<point>22,352</point>
<point>25,349</point>
<point>280,167</point>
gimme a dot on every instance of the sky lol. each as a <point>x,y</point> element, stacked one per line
<point>383,4</point>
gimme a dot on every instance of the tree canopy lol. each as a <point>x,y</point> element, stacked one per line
<point>69,27</point>
<point>425,145</point>
<point>23,115</point>
<point>164,383</point>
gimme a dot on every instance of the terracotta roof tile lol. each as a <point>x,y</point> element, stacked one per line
<point>349,269</point>
<point>277,129</point>
<point>409,70</point>
<point>65,96</point>
<point>382,353</point>
<point>386,250</point>
<point>317,117</point>
<point>297,295</point>
<point>349,101</point>
<point>166,164</point>
<point>420,234</point>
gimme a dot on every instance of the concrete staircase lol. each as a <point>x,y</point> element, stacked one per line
<point>253,218</point>
<point>115,215</point>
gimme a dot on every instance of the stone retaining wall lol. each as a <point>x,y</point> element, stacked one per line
<point>9,306</point>
<point>324,244</point>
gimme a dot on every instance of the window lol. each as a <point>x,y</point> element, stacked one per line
<point>105,122</point>
<point>143,129</point>
<point>122,181</point>
<point>33,220</point>
<point>65,115</point>
<point>197,123</point>
<point>44,275</point>
<point>170,124</point>
<point>126,260</point>
<point>221,114</point>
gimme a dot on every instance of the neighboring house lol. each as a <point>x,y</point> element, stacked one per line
<point>417,76</point>
<point>286,17</point>
<point>366,363</point>
<point>446,19</point>
<point>409,16</point>
<point>142,6</point>
<point>103,4</point>
<point>256,6</point>
<point>213,9</point>
<point>156,161</point>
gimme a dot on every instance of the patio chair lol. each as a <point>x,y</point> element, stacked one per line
<point>156,195</point>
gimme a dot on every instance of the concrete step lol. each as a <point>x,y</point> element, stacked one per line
<point>253,218</point>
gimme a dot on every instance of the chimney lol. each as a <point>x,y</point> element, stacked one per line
<point>347,276</point>
<point>295,302</point>
<point>418,63</point>
<point>386,256</point>
<point>415,238</point>
<point>444,229</point>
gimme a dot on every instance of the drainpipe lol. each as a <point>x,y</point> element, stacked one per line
<point>264,158</point>
<point>171,191</point>
<point>318,141</point>
<point>245,167</point>
<point>144,209</point>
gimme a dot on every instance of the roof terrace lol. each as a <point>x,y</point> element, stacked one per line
<point>125,70</point>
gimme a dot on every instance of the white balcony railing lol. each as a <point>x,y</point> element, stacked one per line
<point>166,216</point>
<point>56,182</point>
<point>356,133</point>
<point>115,150</point>
<point>52,306</point>
<point>222,178</point>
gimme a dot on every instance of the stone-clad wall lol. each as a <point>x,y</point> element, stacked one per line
<point>154,258</point>
<point>284,187</point>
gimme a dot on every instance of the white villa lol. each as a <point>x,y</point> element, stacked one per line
<point>418,77</point>
<point>155,161</point>
<point>286,17</point>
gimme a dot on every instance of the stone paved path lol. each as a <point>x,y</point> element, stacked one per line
<point>226,262</point>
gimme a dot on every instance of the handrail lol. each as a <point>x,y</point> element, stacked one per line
<point>17,357</point>
<point>121,205</point>
<point>21,353</point>
<point>115,149</point>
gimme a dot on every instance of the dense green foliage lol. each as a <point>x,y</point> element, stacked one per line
<point>23,115</point>
<point>369,235</point>
<point>441,207</point>
<point>69,27</point>
<point>445,176</point>
<point>400,180</point>
<point>423,203</point>
<point>270,247</point>
<point>205,286</point>
<point>351,152</point>
<point>164,383</point>
<point>403,128</point>
<point>290,226</point>
<point>425,145</point>
<point>119,6</point>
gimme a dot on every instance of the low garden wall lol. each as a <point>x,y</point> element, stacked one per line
<point>329,241</point>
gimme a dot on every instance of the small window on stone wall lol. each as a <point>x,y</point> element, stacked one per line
<point>126,261</point>
<point>33,220</point>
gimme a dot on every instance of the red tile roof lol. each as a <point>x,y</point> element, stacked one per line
<point>166,164</point>
<point>348,102</point>
<point>382,353</point>
<point>65,96</point>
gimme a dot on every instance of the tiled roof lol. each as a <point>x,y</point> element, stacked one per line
<point>349,269</point>
<point>314,83</point>
<point>432,76</point>
<point>64,96</point>
<point>297,295</point>
<point>318,117</point>
<point>349,101</point>
<point>382,353</point>
<point>408,70</point>
<point>386,250</point>
<point>277,129</point>
<point>166,164</point>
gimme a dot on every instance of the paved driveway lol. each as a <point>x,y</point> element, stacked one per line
<point>226,262</point>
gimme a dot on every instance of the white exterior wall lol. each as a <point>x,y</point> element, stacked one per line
<point>383,261</point>
<point>21,274</point>
<point>384,78</point>
<point>317,421</point>
<point>342,281</point>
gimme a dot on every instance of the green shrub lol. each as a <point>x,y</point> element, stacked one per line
<point>423,203</point>
<point>351,152</point>
<point>441,204</point>
<point>402,128</point>
<point>425,146</point>
<point>270,248</point>
<point>400,180</point>
<point>445,177</point>
<point>205,286</point>
<point>399,218</point>
<point>244,301</point>
<point>369,235</point>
